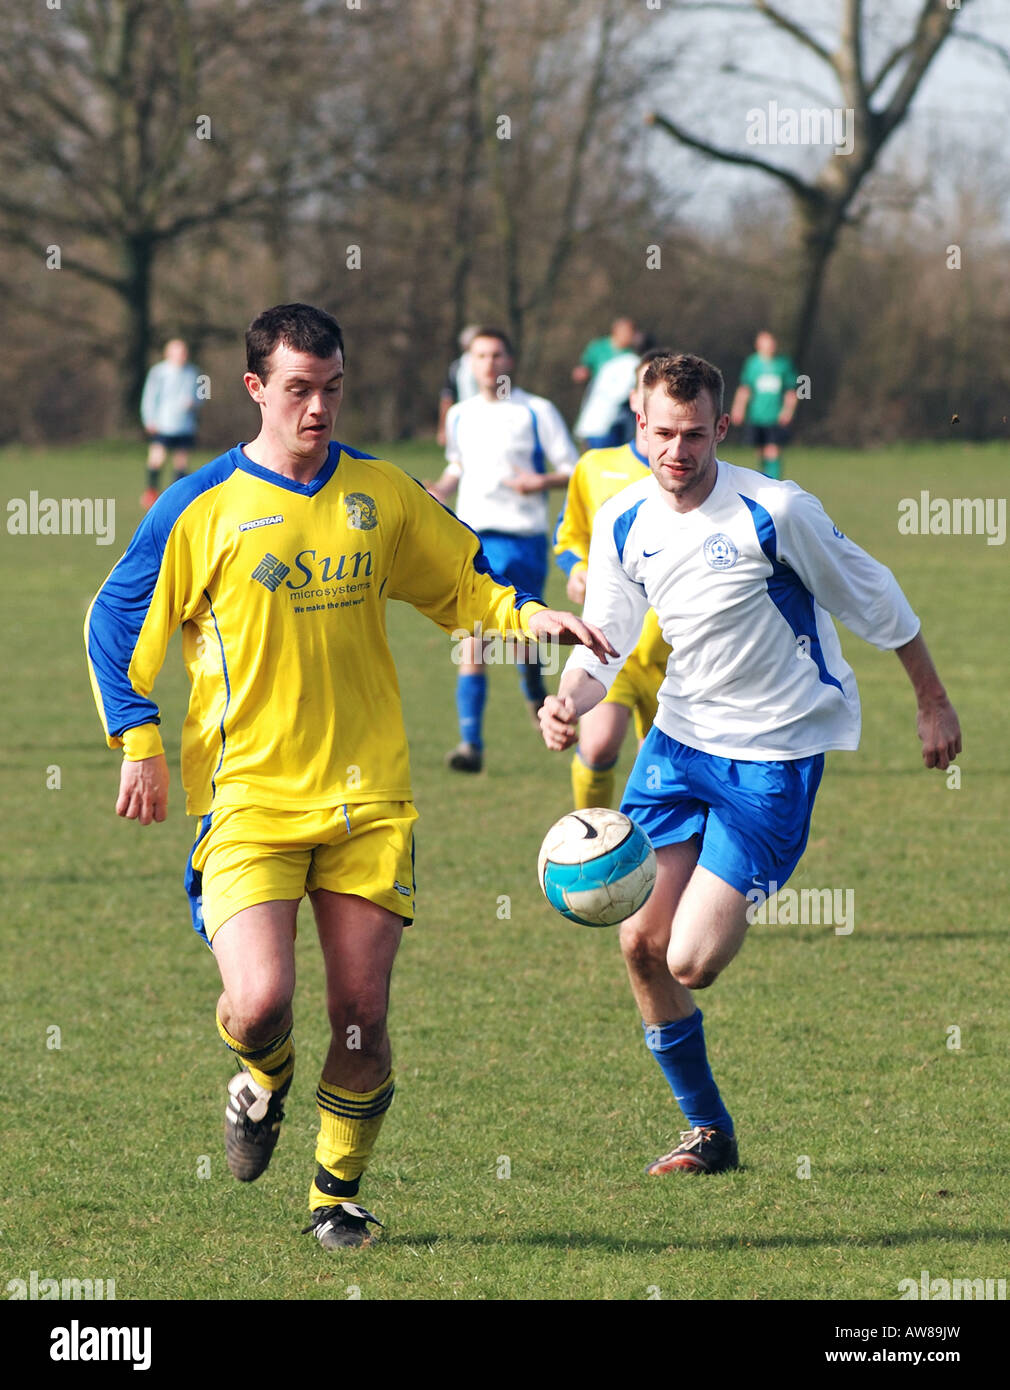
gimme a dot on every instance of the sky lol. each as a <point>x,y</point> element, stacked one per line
<point>956,132</point>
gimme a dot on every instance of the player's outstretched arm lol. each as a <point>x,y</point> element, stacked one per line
<point>937,721</point>
<point>570,631</point>
<point>578,692</point>
<point>143,790</point>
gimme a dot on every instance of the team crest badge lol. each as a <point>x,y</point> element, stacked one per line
<point>720,552</point>
<point>362,514</point>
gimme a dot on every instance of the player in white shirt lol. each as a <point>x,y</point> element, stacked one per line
<point>743,572</point>
<point>498,446</point>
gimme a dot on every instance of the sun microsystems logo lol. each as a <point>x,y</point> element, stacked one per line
<point>270,571</point>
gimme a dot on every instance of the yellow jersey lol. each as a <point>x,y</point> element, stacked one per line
<point>599,475</point>
<point>280,589</point>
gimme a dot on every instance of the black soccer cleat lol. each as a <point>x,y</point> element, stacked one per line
<point>699,1151</point>
<point>252,1122</point>
<point>342,1226</point>
<point>465,757</point>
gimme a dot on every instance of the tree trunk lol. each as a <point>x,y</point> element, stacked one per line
<point>138,264</point>
<point>819,228</point>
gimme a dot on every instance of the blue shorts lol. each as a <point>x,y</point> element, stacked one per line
<point>520,560</point>
<point>753,817</point>
<point>180,442</point>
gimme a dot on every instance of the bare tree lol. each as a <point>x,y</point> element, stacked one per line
<point>128,127</point>
<point>824,203</point>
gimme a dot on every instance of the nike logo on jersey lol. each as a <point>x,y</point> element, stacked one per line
<point>648,554</point>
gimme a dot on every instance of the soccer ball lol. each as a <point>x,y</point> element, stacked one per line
<point>596,867</point>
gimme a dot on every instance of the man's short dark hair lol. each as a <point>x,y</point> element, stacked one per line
<point>684,377</point>
<point>650,354</point>
<point>301,326</point>
<point>492,332</point>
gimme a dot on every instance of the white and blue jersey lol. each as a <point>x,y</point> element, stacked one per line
<point>488,443</point>
<point>744,586</point>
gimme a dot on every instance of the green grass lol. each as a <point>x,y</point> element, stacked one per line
<point>517,1038</point>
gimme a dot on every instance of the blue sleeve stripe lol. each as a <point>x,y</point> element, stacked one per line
<point>561,517</point>
<point>537,456</point>
<point>568,559</point>
<point>623,525</point>
<point>480,560</point>
<point>227,692</point>
<point>482,566</point>
<point>787,591</point>
<point>122,604</point>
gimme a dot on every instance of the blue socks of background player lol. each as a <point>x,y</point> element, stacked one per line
<point>679,1048</point>
<point>471,693</point>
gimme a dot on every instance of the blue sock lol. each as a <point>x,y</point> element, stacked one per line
<point>679,1048</point>
<point>471,692</point>
<point>532,679</point>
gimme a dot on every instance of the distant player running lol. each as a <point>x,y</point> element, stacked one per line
<point>765,401</point>
<point>277,560</point>
<point>169,408</point>
<point>599,475</point>
<point>498,446</point>
<point>743,572</point>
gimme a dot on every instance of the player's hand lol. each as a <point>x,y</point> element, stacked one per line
<point>736,418</point>
<point>143,790</point>
<point>786,418</point>
<point>570,631</point>
<point>525,482</point>
<point>940,732</point>
<point>559,723</point>
<point>576,587</point>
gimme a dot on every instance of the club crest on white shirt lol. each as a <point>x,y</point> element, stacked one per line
<point>720,552</point>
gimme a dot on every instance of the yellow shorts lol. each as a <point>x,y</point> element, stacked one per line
<point>246,855</point>
<point>637,688</point>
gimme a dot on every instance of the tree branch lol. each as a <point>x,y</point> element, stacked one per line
<point>799,186</point>
<point>991,46</point>
<point>794,31</point>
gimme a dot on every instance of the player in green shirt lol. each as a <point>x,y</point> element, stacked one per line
<point>765,401</point>
<point>620,339</point>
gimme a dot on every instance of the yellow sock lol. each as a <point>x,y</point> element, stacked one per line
<point>591,786</point>
<point>270,1065</point>
<point>349,1124</point>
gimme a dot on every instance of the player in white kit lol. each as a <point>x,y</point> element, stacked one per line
<point>499,444</point>
<point>743,572</point>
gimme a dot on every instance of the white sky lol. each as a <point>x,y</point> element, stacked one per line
<point>957,129</point>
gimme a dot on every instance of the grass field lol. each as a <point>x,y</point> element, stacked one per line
<point>516,1039</point>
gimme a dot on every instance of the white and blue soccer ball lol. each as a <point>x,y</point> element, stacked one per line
<point>596,867</point>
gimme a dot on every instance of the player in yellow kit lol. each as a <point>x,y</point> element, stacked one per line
<point>277,560</point>
<point>599,475</point>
